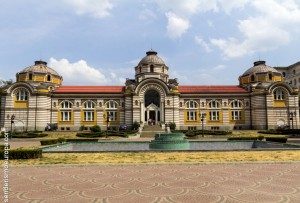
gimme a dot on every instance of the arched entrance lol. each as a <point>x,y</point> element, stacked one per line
<point>152,107</point>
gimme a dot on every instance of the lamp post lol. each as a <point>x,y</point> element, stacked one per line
<point>12,118</point>
<point>107,120</point>
<point>203,115</point>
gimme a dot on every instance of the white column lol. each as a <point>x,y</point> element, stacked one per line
<point>155,116</point>
<point>162,112</point>
<point>142,112</point>
<point>147,115</point>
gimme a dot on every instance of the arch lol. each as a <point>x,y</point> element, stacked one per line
<point>154,84</point>
<point>66,104</point>
<point>111,104</point>
<point>191,104</point>
<point>214,104</point>
<point>279,94</point>
<point>16,85</point>
<point>21,94</point>
<point>152,97</point>
<point>287,88</point>
<point>89,104</point>
<point>236,104</point>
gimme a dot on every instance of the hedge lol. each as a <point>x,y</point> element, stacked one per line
<point>280,131</point>
<point>242,138</point>
<point>193,133</point>
<point>90,134</point>
<point>115,133</point>
<point>49,142</point>
<point>277,139</point>
<point>82,140</point>
<point>23,153</point>
<point>30,135</point>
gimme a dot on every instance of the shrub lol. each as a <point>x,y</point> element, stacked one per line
<point>90,134</point>
<point>172,125</point>
<point>81,128</point>
<point>135,125</point>
<point>260,137</point>
<point>242,138</point>
<point>81,140</point>
<point>95,128</point>
<point>277,139</point>
<point>30,134</point>
<point>193,133</point>
<point>61,139</point>
<point>23,153</point>
<point>116,133</point>
<point>49,142</point>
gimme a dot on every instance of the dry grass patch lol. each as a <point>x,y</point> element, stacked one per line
<point>162,157</point>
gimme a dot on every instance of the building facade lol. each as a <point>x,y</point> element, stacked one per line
<point>262,100</point>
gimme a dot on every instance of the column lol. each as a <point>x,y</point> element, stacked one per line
<point>162,112</point>
<point>142,112</point>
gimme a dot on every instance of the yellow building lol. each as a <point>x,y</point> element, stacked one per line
<point>262,100</point>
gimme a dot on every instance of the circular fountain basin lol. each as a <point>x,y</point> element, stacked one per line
<point>169,141</point>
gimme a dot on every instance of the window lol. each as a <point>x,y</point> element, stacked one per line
<point>295,82</point>
<point>151,68</point>
<point>65,115</point>
<point>283,74</point>
<point>89,105</point>
<point>112,115</point>
<point>66,111</point>
<point>30,76</point>
<point>88,113</point>
<point>279,94</point>
<point>191,105</point>
<point>270,76</point>
<point>192,128</point>
<point>22,95</point>
<point>48,77</point>
<point>236,110</point>
<point>294,72</point>
<point>191,115</point>
<point>214,113</point>
<point>252,78</point>
<point>112,107</point>
<point>66,105</point>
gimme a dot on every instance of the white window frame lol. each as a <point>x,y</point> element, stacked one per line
<point>113,115</point>
<point>66,105</point>
<point>111,105</point>
<point>65,115</point>
<point>214,115</point>
<point>89,115</point>
<point>191,105</point>
<point>89,105</point>
<point>236,115</point>
<point>191,115</point>
<point>22,95</point>
<point>214,105</point>
<point>279,94</point>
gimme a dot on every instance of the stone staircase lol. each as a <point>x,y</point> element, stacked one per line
<point>150,130</point>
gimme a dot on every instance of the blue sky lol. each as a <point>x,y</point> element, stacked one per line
<point>99,42</point>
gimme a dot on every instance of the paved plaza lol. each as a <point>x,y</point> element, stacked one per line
<point>142,183</point>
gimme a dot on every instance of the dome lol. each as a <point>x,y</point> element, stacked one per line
<point>151,58</point>
<point>259,67</point>
<point>39,67</point>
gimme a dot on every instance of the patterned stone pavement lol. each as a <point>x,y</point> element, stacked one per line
<point>161,183</point>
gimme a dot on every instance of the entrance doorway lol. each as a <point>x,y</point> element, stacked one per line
<point>152,107</point>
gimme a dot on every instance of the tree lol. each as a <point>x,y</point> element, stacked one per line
<point>6,82</point>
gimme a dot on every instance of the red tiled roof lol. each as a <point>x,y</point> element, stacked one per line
<point>212,89</point>
<point>90,89</point>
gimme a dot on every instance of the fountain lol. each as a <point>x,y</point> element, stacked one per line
<point>169,141</point>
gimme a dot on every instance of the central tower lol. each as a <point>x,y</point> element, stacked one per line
<point>151,66</point>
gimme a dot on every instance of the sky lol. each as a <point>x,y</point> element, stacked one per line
<point>99,42</point>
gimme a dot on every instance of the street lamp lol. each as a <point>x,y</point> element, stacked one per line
<point>108,116</point>
<point>202,116</point>
<point>12,118</point>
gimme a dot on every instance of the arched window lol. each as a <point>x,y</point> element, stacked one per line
<point>48,77</point>
<point>111,110</point>
<point>88,112</point>
<point>270,76</point>
<point>151,68</point>
<point>236,110</point>
<point>30,76</point>
<point>279,94</point>
<point>283,74</point>
<point>214,111</point>
<point>294,72</point>
<point>252,78</point>
<point>22,95</point>
<point>66,111</point>
<point>191,112</point>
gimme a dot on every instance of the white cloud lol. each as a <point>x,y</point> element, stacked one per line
<point>176,25</point>
<point>95,8</point>
<point>228,6</point>
<point>273,26</point>
<point>199,40</point>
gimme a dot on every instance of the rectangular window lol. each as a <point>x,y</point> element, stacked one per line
<point>236,115</point>
<point>65,115</point>
<point>89,116</point>
<point>191,116</point>
<point>112,115</point>
<point>192,128</point>
<point>214,115</point>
